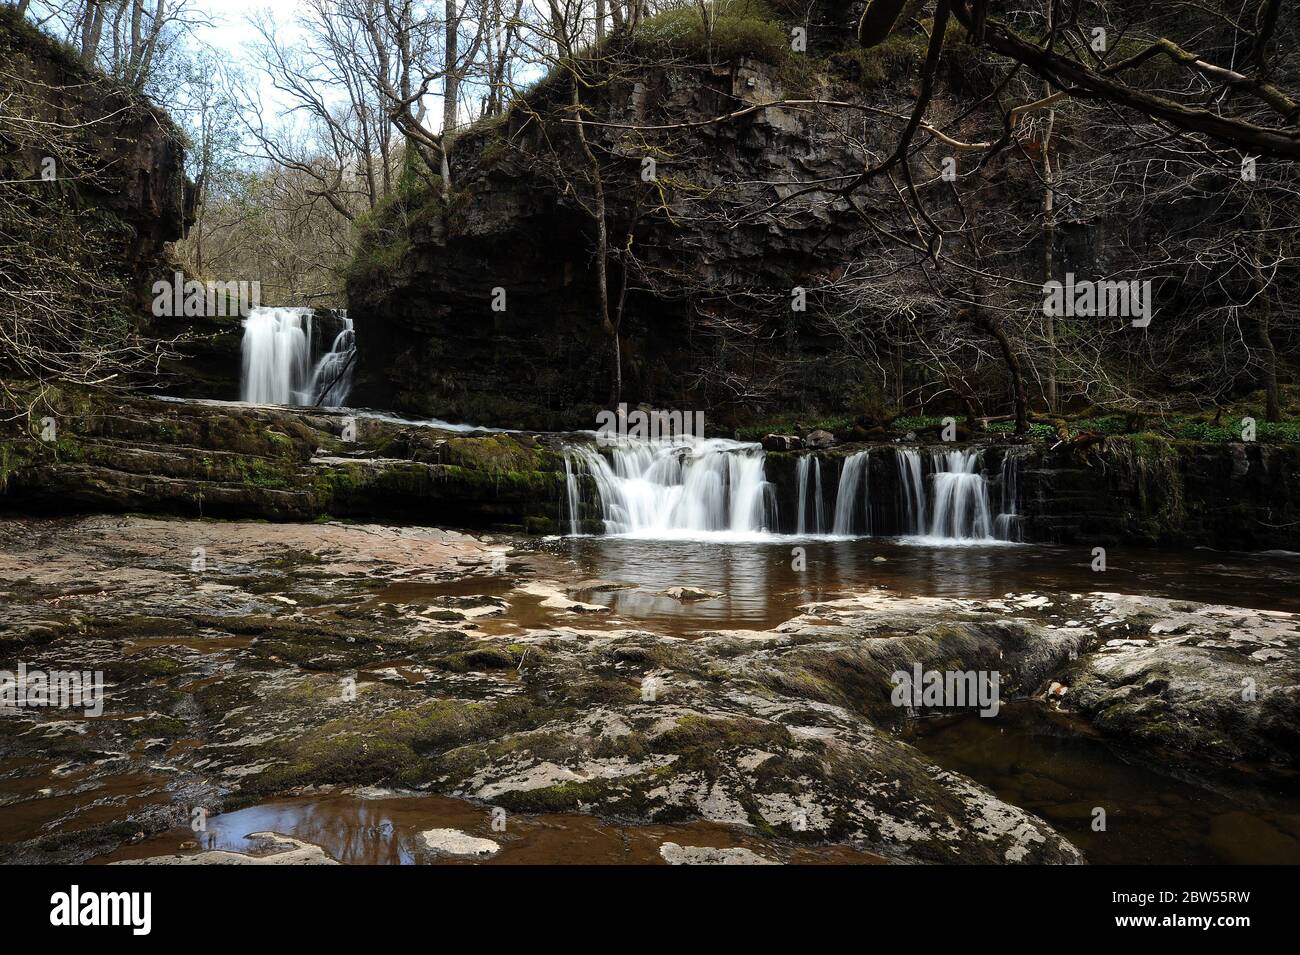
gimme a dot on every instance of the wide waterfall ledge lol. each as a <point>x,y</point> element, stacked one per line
<point>286,360</point>
<point>731,491</point>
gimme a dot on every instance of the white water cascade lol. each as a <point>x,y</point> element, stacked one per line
<point>677,488</point>
<point>1006,525</point>
<point>960,507</point>
<point>950,502</point>
<point>810,463</point>
<point>279,367</point>
<point>854,474</point>
<point>688,487</point>
<point>571,496</point>
<point>911,486</point>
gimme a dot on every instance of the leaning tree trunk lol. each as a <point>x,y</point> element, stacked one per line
<point>993,327</point>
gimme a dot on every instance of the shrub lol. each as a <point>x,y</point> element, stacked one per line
<point>741,28</point>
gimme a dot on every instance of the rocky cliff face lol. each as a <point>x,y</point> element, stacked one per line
<point>1150,490</point>
<point>1133,489</point>
<point>101,150</point>
<point>518,221</point>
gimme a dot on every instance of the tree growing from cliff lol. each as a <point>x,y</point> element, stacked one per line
<point>68,310</point>
<point>141,43</point>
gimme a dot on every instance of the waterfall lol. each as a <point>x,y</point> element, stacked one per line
<point>687,486</point>
<point>961,497</point>
<point>819,524</point>
<point>679,487</point>
<point>1007,523</point>
<point>809,464</point>
<point>571,494</point>
<point>911,490</point>
<point>280,345</point>
<point>853,473</point>
<point>331,381</point>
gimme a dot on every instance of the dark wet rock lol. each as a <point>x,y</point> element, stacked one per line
<point>338,676</point>
<point>782,442</point>
<point>691,593</point>
<point>130,156</point>
<point>1151,490</point>
<point>1200,684</point>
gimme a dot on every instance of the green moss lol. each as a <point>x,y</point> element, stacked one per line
<point>383,234</point>
<point>167,727</point>
<point>400,746</point>
<point>160,666</point>
<point>496,453</point>
<point>741,28</point>
<point>538,525</point>
<point>564,797</point>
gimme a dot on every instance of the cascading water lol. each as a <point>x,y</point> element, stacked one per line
<point>855,473</point>
<point>1007,524</point>
<point>806,464</point>
<point>911,487</point>
<point>331,381</point>
<point>678,488</point>
<point>960,508</point>
<point>279,347</point>
<point>689,486</point>
<point>571,495</point>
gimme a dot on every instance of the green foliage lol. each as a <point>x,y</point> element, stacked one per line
<point>916,422</point>
<point>1265,431</point>
<point>896,58</point>
<point>383,235</point>
<point>741,28</point>
<point>1009,427</point>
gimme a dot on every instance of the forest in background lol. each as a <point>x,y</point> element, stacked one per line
<point>341,119</point>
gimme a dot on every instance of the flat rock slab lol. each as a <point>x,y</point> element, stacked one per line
<point>674,854</point>
<point>453,842</point>
<point>281,850</point>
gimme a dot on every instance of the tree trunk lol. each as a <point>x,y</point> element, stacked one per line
<point>135,45</point>
<point>990,324</point>
<point>90,31</point>
<point>451,92</point>
<point>1259,331</point>
<point>1049,250</point>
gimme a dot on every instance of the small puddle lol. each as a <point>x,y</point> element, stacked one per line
<point>387,830</point>
<point>46,803</point>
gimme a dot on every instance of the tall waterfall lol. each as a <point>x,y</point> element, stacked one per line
<point>679,487</point>
<point>286,362</point>
<point>855,474</point>
<point>814,504</point>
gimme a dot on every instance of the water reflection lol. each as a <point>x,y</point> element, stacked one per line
<point>1061,775</point>
<point>761,584</point>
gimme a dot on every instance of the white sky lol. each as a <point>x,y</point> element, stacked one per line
<point>230,29</point>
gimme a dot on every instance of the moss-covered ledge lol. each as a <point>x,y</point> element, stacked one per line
<point>76,450</point>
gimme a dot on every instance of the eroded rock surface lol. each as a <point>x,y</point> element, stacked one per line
<point>295,659</point>
<point>1198,682</point>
